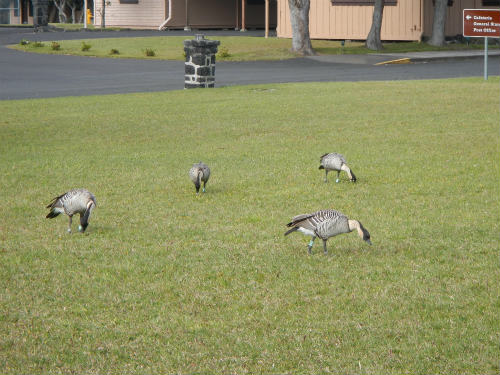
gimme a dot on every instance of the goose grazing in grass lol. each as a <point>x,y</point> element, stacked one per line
<point>76,201</point>
<point>325,224</point>
<point>198,173</point>
<point>335,162</point>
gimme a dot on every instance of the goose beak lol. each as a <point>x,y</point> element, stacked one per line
<point>368,240</point>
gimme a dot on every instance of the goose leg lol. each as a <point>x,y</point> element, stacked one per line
<point>311,243</point>
<point>204,187</point>
<point>338,176</point>
<point>70,221</point>
<point>326,176</point>
<point>324,247</point>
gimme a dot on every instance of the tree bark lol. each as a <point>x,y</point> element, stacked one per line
<point>299,18</point>
<point>439,23</point>
<point>73,13</point>
<point>103,14</point>
<point>61,5</point>
<point>373,41</point>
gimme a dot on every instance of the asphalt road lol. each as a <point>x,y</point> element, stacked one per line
<point>30,75</point>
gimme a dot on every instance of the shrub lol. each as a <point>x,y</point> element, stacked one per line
<point>86,46</point>
<point>55,46</point>
<point>223,53</point>
<point>149,52</point>
<point>114,51</point>
<point>24,42</point>
<point>37,44</point>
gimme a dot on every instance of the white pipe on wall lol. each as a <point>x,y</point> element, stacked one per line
<point>164,24</point>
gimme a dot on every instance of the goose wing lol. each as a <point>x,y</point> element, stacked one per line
<point>330,223</point>
<point>333,161</point>
<point>206,172</point>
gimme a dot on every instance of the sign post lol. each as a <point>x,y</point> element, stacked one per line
<point>485,58</point>
<point>84,14</point>
<point>482,23</point>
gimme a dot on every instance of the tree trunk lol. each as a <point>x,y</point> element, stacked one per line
<point>72,5</point>
<point>53,14</point>
<point>60,10</point>
<point>103,14</point>
<point>373,40</point>
<point>299,18</point>
<point>438,24</point>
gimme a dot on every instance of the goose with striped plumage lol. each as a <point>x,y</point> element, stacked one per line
<point>76,201</point>
<point>199,172</point>
<point>325,224</point>
<point>335,162</point>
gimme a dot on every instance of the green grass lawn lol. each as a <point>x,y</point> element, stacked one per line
<point>165,281</point>
<point>237,48</point>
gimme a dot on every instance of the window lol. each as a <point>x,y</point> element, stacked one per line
<point>489,3</point>
<point>129,1</point>
<point>5,11</point>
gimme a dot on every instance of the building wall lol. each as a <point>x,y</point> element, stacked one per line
<point>144,14</point>
<point>454,17</point>
<point>202,14</point>
<point>220,14</point>
<point>327,21</point>
<point>408,20</point>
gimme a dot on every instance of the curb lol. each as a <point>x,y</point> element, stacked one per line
<point>404,60</point>
<point>414,59</point>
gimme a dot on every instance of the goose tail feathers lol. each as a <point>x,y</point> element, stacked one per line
<point>52,214</point>
<point>55,207</point>
<point>291,230</point>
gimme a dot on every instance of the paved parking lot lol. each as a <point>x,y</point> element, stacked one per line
<point>30,75</point>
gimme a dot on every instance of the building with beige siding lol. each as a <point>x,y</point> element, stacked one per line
<point>403,20</point>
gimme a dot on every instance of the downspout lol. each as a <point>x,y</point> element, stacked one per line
<point>164,24</point>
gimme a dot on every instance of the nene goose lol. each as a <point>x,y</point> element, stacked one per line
<point>199,172</point>
<point>77,201</point>
<point>325,224</point>
<point>335,162</point>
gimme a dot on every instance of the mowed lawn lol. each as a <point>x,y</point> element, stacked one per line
<point>235,48</point>
<point>165,281</point>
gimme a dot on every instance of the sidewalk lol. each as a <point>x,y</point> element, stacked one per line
<point>404,57</point>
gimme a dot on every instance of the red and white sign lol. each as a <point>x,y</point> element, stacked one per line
<point>482,23</point>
